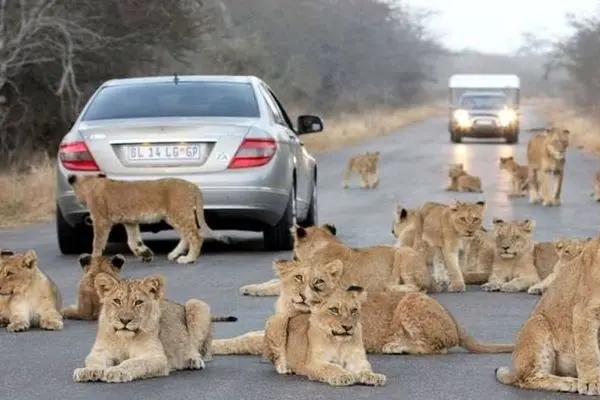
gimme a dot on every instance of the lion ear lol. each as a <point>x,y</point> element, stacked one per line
<point>29,259</point>
<point>528,225</point>
<point>117,261</point>
<point>331,228</point>
<point>85,260</point>
<point>155,285</point>
<point>6,253</point>
<point>559,244</point>
<point>104,283</point>
<point>358,292</point>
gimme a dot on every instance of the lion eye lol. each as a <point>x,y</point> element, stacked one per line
<point>117,302</point>
<point>138,303</point>
<point>464,219</point>
<point>298,278</point>
<point>476,220</point>
<point>8,273</point>
<point>319,282</point>
<point>354,311</point>
<point>334,310</point>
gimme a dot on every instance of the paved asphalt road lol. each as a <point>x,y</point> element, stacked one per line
<point>36,364</point>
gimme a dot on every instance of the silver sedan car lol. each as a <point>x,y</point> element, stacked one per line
<point>230,135</point>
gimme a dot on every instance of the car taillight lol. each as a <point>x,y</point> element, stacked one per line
<point>76,156</point>
<point>254,153</point>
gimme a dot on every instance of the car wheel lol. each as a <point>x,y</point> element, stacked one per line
<point>455,137</point>
<point>280,237</point>
<point>312,215</point>
<point>72,240</point>
<point>513,138</point>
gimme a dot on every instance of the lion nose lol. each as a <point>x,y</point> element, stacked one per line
<point>302,296</point>
<point>505,247</point>
<point>347,327</point>
<point>125,320</point>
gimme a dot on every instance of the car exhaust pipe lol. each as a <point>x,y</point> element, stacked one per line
<point>88,221</point>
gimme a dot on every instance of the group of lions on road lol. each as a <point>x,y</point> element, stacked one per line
<point>336,303</point>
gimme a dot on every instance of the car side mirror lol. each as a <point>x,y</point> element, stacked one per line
<point>309,124</point>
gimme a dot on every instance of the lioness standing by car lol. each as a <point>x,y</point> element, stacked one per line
<point>176,201</point>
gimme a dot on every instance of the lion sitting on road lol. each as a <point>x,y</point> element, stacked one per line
<point>461,181</point>
<point>519,176</point>
<point>176,201</point>
<point>596,193</point>
<point>519,262</point>
<point>393,323</point>
<point>366,165</point>
<point>376,267</point>
<point>546,155</point>
<point>88,302</point>
<point>448,229</point>
<point>143,335</point>
<point>28,297</point>
<point>566,250</point>
<point>557,347</point>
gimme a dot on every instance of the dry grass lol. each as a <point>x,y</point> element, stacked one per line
<point>347,129</point>
<point>585,130</point>
<point>29,197</point>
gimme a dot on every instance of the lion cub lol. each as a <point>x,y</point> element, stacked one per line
<point>448,230</point>
<point>366,166</point>
<point>143,335</point>
<point>596,193</point>
<point>88,302</point>
<point>461,181</point>
<point>566,250</point>
<point>546,156</point>
<point>326,345</point>
<point>176,201</point>
<point>557,347</point>
<point>27,296</point>
<point>518,173</point>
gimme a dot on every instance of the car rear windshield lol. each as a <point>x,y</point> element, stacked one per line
<point>185,99</point>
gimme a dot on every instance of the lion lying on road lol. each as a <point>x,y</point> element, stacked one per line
<point>393,323</point>
<point>143,335</point>
<point>28,297</point>
<point>376,267</point>
<point>557,347</point>
<point>176,201</point>
<point>461,181</point>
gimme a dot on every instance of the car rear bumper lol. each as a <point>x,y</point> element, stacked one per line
<point>235,208</point>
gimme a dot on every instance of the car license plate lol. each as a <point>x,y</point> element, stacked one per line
<point>164,152</point>
<point>484,122</point>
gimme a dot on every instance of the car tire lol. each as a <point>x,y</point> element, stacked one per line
<point>279,237</point>
<point>513,138</point>
<point>72,240</point>
<point>312,215</point>
<point>455,137</point>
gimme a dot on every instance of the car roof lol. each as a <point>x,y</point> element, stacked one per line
<point>182,78</point>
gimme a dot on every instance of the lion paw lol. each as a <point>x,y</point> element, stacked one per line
<point>457,287</point>
<point>51,324</point>
<point>490,287</point>
<point>372,379</point>
<point>588,387</point>
<point>146,255</point>
<point>18,326</point>
<point>185,260</point>
<point>535,290</point>
<point>534,200</point>
<point>509,288</point>
<point>195,363</point>
<point>394,348</point>
<point>342,380</point>
<point>117,374</point>
<point>87,374</point>
<point>282,368</point>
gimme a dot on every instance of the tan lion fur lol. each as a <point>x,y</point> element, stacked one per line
<point>393,323</point>
<point>546,156</point>
<point>88,302</point>
<point>518,174</point>
<point>28,297</point>
<point>461,181</point>
<point>366,165</point>
<point>596,193</point>
<point>178,202</point>
<point>566,250</point>
<point>142,335</point>
<point>557,347</point>
<point>448,229</point>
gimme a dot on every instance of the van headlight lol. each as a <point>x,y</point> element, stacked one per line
<point>507,117</point>
<point>462,117</point>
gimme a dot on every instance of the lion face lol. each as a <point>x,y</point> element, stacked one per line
<point>322,280</point>
<point>309,240</point>
<point>292,275</point>
<point>467,218</point>
<point>558,142</point>
<point>92,266</point>
<point>372,159</point>
<point>339,315</point>
<point>512,237</point>
<point>130,306</point>
<point>507,163</point>
<point>17,271</point>
<point>456,170</point>
<point>568,249</point>
<point>403,218</point>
